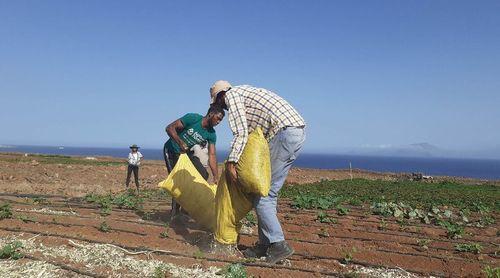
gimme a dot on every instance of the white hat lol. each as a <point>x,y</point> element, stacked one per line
<point>217,87</point>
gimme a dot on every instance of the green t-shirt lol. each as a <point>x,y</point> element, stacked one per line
<point>193,133</point>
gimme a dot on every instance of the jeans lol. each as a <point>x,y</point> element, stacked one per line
<point>284,149</point>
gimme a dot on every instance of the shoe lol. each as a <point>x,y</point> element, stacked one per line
<point>278,251</point>
<point>257,251</point>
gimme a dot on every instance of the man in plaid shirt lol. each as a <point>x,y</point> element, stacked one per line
<point>249,107</point>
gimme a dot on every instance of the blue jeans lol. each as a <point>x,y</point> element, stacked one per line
<point>284,148</point>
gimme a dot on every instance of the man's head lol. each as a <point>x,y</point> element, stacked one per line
<point>217,88</point>
<point>215,115</point>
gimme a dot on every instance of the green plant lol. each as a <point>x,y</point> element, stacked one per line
<point>11,251</point>
<point>5,211</point>
<point>491,272</point>
<point>26,218</point>
<point>453,230</point>
<point>234,270</point>
<point>104,227</point>
<point>424,243</point>
<point>470,248</point>
<point>251,219</point>
<point>323,217</point>
<point>199,254</point>
<point>40,200</point>
<point>383,225</point>
<point>486,220</point>
<point>347,258</point>
<point>342,210</point>
<point>160,271</point>
<point>164,234</point>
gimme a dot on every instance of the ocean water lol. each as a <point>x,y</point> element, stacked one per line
<point>474,168</point>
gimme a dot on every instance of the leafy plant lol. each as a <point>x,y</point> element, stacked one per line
<point>342,210</point>
<point>199,254</point>
<point>26,218</point>
<point>5,211</point>
<point>251,219</point>
<point>104,227</point>
<point>160,271</point>
<point>424,243</point>
<point>491,272</point>
<point>11,251</point>
<point>323,217</point>
<point>470,248</point>
<point>235,270</point>
<point>383,225</point>
<point>453,230</point>
<point>164,234</point>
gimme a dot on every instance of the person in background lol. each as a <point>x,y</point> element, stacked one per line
<point>134,161</point>
<point>284,128</point>
<point>190,130</point>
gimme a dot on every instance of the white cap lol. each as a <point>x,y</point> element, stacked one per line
<point>217,87</point>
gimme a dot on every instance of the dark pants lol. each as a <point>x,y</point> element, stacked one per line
<point>135,169</point>
<point>170,161</point>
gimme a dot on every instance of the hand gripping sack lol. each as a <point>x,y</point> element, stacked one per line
<point>192,192</point>
<point>254,166</point>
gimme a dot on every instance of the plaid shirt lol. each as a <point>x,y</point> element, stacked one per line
<point>251,107</point>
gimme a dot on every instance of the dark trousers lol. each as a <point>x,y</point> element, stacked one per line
<point>135,169</point>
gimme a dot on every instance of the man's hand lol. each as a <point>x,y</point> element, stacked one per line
<point>184,147</point>
<point>231,174</point>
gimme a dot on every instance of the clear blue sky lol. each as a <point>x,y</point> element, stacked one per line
<point>362,73</point>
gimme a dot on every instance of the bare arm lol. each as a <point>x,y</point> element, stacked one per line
<point>212,161</point>
<point>172,130</point>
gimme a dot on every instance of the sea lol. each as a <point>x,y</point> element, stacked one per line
<point>472,168</point>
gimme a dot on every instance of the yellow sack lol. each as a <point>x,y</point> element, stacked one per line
<point>254,166</point>
<point>192,192</point>
<point>231,205</point>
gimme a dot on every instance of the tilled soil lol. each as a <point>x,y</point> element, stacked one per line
<point>355,243</point>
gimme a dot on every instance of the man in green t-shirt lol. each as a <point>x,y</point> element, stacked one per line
<point>190,130</point>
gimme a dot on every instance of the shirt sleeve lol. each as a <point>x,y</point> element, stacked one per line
<point>238,124</point>
<point>140,155</point>
<point>212,138</point>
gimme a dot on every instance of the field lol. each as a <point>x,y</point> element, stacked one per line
<point>71,217</point>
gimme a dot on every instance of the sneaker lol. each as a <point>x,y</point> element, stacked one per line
<point>278,251</point>
<point>257,251</point>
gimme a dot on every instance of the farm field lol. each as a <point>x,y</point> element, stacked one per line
<point>71,217</point>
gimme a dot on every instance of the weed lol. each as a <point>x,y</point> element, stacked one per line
<point>160,271</point>
<point>470,248</point>
<point>491,272</point>
<point>453,230</point>
<point>486,220</point>
<point>26,218</point>
<point>199,254</point>
<point>342,210</point>
<point>164,234</point>
<point>424,243</point>
<point>383,225</point>
<point>323,217</point>
<point>5,211</point>
<point>11,251</point>
<point>104,227</point>
<point>347,258</point>
<point>40,200</point>
<point>235,270</point>
<point>251,219</point>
